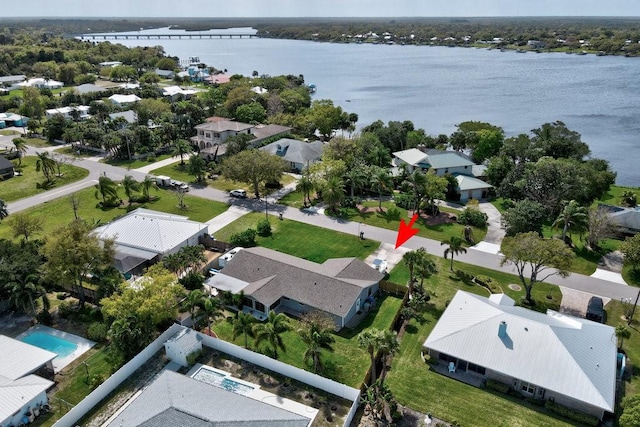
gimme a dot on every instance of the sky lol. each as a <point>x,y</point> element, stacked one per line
<point>323,8</point>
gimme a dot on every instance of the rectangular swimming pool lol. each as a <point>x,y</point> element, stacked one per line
<point>57,345</point>
<point>209,376</point>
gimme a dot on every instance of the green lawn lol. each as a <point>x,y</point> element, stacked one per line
<point>415,386</point>
<point>5,132</point>
<point>631,346</point>
<point>390,217</point>
<point>302,240</point>
<point>72,384</point>
<point>19,187</point>
<point>135,164</point>
<point>348,363</point>
<point>58,212</point>
<point>178,172</point>
<point>614,195</point>
<point>630,276</point>
<point>39,143</point>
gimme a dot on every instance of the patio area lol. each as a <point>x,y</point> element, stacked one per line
<point>470,378</point>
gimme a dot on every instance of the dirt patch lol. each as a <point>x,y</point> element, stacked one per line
<point>515,287</point>
<point>439,219</point>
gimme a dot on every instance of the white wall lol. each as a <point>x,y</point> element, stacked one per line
<point>16,420</point>
<point>71,418</point>
<point>93,399</point>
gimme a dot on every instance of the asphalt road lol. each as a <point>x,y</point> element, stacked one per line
<point>473,256</point>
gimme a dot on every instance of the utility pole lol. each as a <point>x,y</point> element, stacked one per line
<point>266,209</point>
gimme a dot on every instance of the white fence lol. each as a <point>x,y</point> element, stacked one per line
<point>325,384</point>
<point>71,418</point>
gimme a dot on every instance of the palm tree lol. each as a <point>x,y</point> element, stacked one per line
<point>622,333</point>
<point>305,186</point>
<point>3,210</point>
<point>418,181</point>
<point>106,188</point>
<point>20,145</point>
<point>389,345</point>
<point>192,302</point>
<point>411,258</point>
<point>146,186</point>
<point>244,324</point>
<point>333,192</point>
<point>573,216</point>
<point>24,292</point>
<point>181,148</point>
<point>356,176</point>
<point>425,267</point>
<point>381,181</point>
<point>370,339</point>
<point>317,334</point>
<point>455,248</point>
<point>272,330</point>
<point>130,185</point>
<point>211,309</point>
<point>45,164</point>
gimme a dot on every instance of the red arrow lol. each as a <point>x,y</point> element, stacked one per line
<point>405,232</point>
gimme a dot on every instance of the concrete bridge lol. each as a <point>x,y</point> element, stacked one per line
<point>169,36</point>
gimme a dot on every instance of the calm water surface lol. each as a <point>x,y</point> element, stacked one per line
<point>438,87</point>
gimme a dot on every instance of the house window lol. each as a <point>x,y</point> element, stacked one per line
<point>207,135</point>
<point>446,170</point>
<point>527,387</point>
<point>447,358</point>
<point>274,305</point>
<point>475,368</point>
<point>247,302</point>
<point>216,135</point>
<point>260,306</point>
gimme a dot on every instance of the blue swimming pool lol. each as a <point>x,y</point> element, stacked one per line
<point>220,380</point>
<point>51,343</point>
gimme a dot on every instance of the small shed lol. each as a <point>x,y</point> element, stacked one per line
<point>6,168</point>
<point>182,345</point>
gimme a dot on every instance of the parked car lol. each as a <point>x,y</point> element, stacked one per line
<point>238,193</point>
<point>595,310</point>
<point>179,185</point>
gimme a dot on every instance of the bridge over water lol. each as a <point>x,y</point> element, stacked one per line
<point>195,35</point>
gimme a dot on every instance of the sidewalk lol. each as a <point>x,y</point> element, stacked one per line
<point>156,165</point>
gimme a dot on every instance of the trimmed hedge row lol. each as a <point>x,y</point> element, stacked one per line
<point>497,386</point>
<point>563,411</point>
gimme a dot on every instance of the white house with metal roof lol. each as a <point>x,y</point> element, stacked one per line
<point>144,236</point>
<point>124,100</point>
<point>21,392</point>
<point>550,356</point>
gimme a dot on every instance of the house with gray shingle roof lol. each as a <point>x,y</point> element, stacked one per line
<point>446,163</point>
<point>173,399</point>
<point>547,356</point>
<point>271,280</point>
<point>298,154</point>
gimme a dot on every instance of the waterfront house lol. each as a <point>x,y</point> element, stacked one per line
<point>546,356</point>
<point>443,162</point>
<point>298,154</point>
<point>273,281</point>
<point>626,220</point>
<point>165,74</point>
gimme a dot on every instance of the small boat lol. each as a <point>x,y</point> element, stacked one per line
<point>582,52</point>
<point>521,51</point>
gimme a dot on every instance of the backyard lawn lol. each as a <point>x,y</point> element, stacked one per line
<point>23,186</point>
<point>348,363</point>
<point>415,386</point>
<point>58,212</point>
<point>302,240</point>
<point>390,219</point>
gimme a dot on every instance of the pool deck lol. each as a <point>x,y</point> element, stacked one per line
<point>262,395</point>
<point>83,344</point>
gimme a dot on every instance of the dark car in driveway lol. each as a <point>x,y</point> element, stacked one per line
<point>595,310</point>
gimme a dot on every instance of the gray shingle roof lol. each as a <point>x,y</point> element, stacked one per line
<point>5,164</point>
<point>295,151</point>
<point>332,286</point>
<point>173,399</point>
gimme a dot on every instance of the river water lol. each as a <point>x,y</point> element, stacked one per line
<point>438,87</point>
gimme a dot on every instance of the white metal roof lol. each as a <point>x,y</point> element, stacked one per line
<point>571,356</point>
<point>412,156</point>
<point>151,231</point>
<point>18,358</point>
<point>124,99</point>
<point>14,394</point>
<point>466,182</point>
